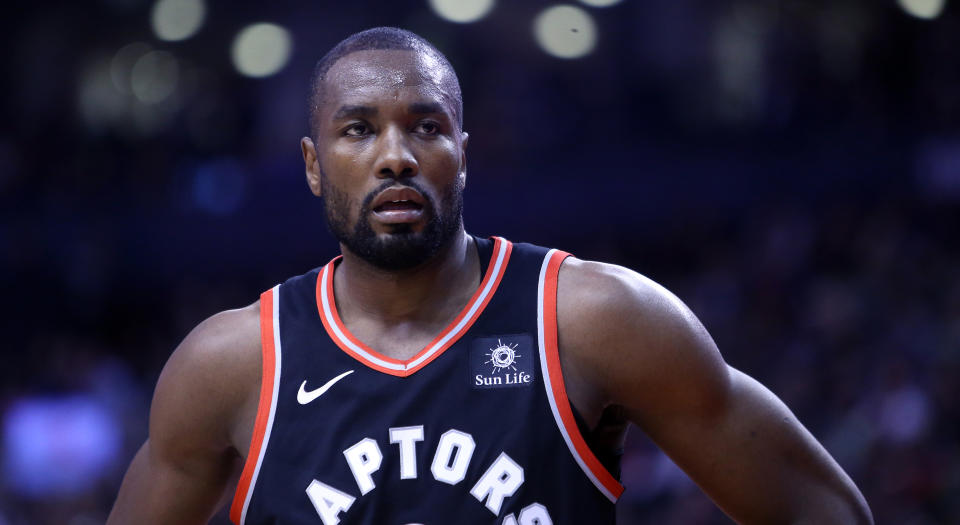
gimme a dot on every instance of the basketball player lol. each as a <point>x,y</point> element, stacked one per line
<point>429,376</point>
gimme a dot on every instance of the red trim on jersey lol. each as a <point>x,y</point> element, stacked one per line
<point>263,407</point>
<point>556,378</point>
<point>404,368</point>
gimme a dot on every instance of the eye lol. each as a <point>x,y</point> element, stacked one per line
<point>357,129</point>
<point>428,128</point>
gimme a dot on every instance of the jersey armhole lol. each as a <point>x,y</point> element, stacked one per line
<point>553,379</point>
<point>266,406</point>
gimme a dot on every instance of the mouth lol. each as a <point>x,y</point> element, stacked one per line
<point>398,205</point>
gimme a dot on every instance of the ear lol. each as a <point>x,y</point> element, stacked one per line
<point>463,158</point>
<point>311,164</point>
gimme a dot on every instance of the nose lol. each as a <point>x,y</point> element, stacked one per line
<point>395,158</point>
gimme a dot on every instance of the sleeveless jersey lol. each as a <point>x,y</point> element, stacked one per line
<point>476,428</point>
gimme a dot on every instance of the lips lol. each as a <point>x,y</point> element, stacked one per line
<point>397,205</point>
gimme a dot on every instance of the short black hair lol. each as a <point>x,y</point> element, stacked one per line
<point>381,38</point>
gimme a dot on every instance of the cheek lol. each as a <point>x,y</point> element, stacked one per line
<point>342,189</point>
<point>442,158</point>
<point>344,157</point>
<point>344,168</point>
<point>443,171</point>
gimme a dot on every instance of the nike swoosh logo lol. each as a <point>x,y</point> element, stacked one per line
<point>304,397</point>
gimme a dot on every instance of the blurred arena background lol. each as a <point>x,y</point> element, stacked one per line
<point>790,169</point>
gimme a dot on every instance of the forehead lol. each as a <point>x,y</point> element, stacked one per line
<point>365,76</point>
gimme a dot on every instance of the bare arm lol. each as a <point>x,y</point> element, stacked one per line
<point>627,342</point>
<point>200,410</point>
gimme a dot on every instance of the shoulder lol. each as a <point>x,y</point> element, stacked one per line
<point>208,384</point>
<point>610,301</point>
<point>630,339</point>
<point>224,337</point>
<point>610,284</point>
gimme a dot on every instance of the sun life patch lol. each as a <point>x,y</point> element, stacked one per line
<point>504,361</point>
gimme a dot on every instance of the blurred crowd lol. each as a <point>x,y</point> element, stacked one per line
<point>851,314</point>
<point>790,170</point>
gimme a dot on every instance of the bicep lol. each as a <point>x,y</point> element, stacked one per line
<point>183,471</point>
<point>158,490</point>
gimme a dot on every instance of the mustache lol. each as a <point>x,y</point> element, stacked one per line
<point>368,200</point>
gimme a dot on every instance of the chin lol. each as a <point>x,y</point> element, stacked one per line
<point>400,246</point>
<point>403,229</point>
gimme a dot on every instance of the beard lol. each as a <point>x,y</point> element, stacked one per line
<point>401,248</point>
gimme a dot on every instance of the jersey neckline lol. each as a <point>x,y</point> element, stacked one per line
<point>338,332</point>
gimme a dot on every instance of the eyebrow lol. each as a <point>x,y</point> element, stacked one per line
<point>420,108</point>
<point>354,111</point>
<point>417,108</point>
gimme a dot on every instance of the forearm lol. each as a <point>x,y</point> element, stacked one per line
<point>822,493</point>
<point>761,465</point>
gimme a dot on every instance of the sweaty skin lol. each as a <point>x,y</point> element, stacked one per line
<point>631,351</point>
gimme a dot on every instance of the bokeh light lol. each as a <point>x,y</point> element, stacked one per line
<point>58,445</point>
<point>261,50</point>
<point>565,31</point>
<point>154,77</point>
<point>122,64</point>
<point>462,11</point>
<point>927,9</point>
<point>136,92</point>
<point>97,98</point>
<point>601,3</point>
<point>177,19</point>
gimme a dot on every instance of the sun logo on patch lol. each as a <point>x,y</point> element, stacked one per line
<point>502,357</point>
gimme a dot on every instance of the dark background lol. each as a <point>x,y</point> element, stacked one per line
<point>789,169</point>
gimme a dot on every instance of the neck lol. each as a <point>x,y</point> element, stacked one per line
<point>422,293</point>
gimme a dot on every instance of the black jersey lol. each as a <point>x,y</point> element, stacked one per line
<point>474,429</point>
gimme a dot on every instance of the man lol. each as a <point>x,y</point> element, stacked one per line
<point>427,376</point>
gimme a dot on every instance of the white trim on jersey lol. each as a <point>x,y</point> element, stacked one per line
<point>273,403</point>
<point>455,331</point>
<point>545,372</point>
